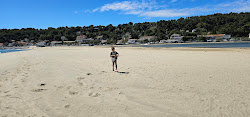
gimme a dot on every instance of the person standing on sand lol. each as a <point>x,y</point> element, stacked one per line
<point>114,55</point>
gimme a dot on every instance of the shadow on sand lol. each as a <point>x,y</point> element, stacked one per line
<point>123,72</point>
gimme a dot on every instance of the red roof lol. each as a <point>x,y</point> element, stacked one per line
<point>215,35</point>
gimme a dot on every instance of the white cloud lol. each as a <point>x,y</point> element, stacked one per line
<point>150,8</point>
<point>173,1</point>
<point>238,6</point>
<point>127,6</point>
<point>164,13</point>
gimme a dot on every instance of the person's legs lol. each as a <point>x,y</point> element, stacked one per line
<point>113,65</point>
<point>116,64</point>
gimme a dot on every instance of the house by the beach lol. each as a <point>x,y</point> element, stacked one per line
<point>104,41</point>
<point>163,41</point>
<point>26,40</point>
<point>20,43</point>
<point>175,37</point>
<point>54,43</point>
<point>10,44</point>
<point>79,39</point>
<point>132,41</point>
<point>1,44</point>
<point>63,38</point>
<point>69,42</point>
<point>126,36</point>
<point>89,40</point>
<point>150,38</point>
<point>218,36</point>
<point>100,37</point>
<point>41,44</point>
<point>119,42</point>
<point>194,30</point>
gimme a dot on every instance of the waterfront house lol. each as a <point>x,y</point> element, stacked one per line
<point>79,39</point>
<point>163,41</point>
<point>119,42</point>
<point>1,44</point>
<point>69,42</point>
<point>126,36</point>
<point>218,36</point>
<point>26,40</point>
<point>63,38</point>
<point>150,38</point>
<point>103,41</point>
<point>54,43</point>
<point>99,37</point>
<point>194,30</point>
<point>19,43</point>
<point>89,40</point>
<point>132,41</point>
<point>10,44</point>
<point>41,44</point>
<point>175,37</point>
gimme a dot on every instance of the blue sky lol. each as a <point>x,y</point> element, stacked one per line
<point>56,13</point>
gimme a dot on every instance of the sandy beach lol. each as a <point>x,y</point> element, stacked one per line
<point>151,82</point>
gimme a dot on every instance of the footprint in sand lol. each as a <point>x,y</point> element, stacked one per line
<point>69,87</point>
<point>80,78</point>
<point>39,90</point>
<point>94,95</point>
<point>80,84</point>
<point>73,93</point>
<point>42,84</point>
<point>66,106</point>
<point>103,72</point>
<point>89,74</point>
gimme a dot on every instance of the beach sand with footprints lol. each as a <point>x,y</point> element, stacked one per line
<point>151,82</point>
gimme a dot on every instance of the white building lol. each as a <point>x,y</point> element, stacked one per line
<point>103,41</point>
<point>89,40</point>
<point>218,36</point>
<point>176,37</point>
<point>54,43</point>
<point>163,41</point>
<point>132,41</point>
<point>194,30</point>
<point>150,38</point>
<point>79,39</point>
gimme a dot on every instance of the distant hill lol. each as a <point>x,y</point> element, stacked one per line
<point>236,24</point>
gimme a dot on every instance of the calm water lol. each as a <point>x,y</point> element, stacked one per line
<point>10,50</point>
<point>206,45</point>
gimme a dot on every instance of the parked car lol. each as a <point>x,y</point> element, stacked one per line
<point>210,40</point>
<point>232,39</point>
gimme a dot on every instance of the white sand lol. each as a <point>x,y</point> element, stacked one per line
<point>159,83</point>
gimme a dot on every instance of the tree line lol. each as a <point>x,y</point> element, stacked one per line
<point>236,24</point>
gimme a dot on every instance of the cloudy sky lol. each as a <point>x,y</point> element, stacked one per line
<point>55,13</point>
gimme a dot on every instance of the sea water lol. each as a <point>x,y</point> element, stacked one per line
<point>204,45</point>
<point>10,50</point>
